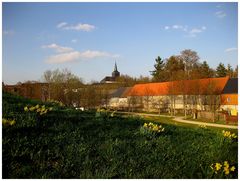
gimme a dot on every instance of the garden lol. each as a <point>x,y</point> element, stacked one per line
<point>50,140</point>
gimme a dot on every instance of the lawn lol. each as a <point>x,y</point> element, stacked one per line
<point>64,143</point>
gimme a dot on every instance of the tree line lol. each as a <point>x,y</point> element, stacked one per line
<point>187,66</point>
<point>68,88</point>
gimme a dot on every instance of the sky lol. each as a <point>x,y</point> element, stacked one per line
<point>88,38</point>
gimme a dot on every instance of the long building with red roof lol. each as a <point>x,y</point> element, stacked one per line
<point>202,94</point>
<point>182,87</point>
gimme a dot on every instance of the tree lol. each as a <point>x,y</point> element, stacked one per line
<point>143,79</point>
<point>173,65</point>
<point>62,84</point>
<point>205,71</point>
<point>126,80</point>
<point>190,58</point>
<point>235,73</point>
<point>221,71</point>
<point>213,99</point>
<point>229,70</point>
<point>158,74</point>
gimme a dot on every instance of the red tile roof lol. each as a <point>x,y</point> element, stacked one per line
<point>190,87</point>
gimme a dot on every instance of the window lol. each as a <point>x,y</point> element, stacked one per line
<point>228,99</point>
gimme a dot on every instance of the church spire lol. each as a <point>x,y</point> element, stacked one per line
<point>115,67</point>
<point>115,72</point>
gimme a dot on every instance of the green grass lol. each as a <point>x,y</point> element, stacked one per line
<point>66,143</point>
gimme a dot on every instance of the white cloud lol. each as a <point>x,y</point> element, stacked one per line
<point>94,54</point>
<point>8,32</point>
<point>76,55</point>
<point>231,49</point>
<point>67,54</point>
<point>219,6</point>
<point>177,27</point>
<point>63,57</point>
<point>166,27</point>
<point>190,32</point>
<point>220,14</point>
<point>77,27</point>
<point>60,25</point>
<point>59,49</point>
<point>74,40</point>
<point>195,30</point>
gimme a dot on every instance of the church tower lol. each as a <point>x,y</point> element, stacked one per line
<point>115,72</point>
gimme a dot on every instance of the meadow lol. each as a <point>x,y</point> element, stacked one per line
<point>49,140</point>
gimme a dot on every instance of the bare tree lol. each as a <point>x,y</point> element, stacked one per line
<point>213,98</point>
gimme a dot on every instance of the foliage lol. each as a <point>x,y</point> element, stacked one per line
<point>8,122</point>
<point>158,73</point>
<point>75,144</point>
<point>223,169</point>
<point>38,109</point>
<point>229,135</point>
<point>221,71</point>
<point>59,103</point>
<point>151,130</point>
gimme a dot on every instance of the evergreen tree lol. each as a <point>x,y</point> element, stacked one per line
<point>158,74</point>
<point>229,70</point>
<point>221,71</point>
<point>205,70</point>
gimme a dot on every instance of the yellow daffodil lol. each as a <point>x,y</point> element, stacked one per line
<point>32,108</point>
<point>232,169</point>
<point>218,166</point>
<point>12,122</point>
<point>234,136</point>
<point>226,171</point>
<point>26,108</point>
<point>4,121</point>
<point>226,164</point>
<point>8,122</point>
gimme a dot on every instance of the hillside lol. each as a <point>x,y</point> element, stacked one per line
<point>47,140</point>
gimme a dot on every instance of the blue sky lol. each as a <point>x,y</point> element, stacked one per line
<point>87,38</point>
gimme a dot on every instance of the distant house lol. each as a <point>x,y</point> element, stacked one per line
<point>32,90</point>
<point>229,96</point>
<point>118,99</point>
<point>111,79</point>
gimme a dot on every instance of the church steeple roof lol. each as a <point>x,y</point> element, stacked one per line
<point>115,67</point>
<point>115,72</point>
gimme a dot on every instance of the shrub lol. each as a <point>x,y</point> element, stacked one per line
<point>151,130</point>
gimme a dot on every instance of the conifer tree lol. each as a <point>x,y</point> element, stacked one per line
<point>221,71</point>
<point>158,74</point>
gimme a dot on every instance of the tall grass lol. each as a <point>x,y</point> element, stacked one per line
<point>74,144</point>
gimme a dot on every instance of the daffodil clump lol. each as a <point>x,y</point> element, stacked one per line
<point>228,134</point>
<point>223,168</point>
<point>56,102</point>
<point>113,113</point>
<point>101,113</point>
<point>202,126</point>
<point>8,122</point>
<point>151,130</point>
<point>38,109</point>
<point>153,127</point>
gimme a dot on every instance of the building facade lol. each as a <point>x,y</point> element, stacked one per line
<point>111,79</point>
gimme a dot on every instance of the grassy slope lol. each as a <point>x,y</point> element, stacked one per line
<point>70,144</point>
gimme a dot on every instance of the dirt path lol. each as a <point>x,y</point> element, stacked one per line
<point>181,119</point>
